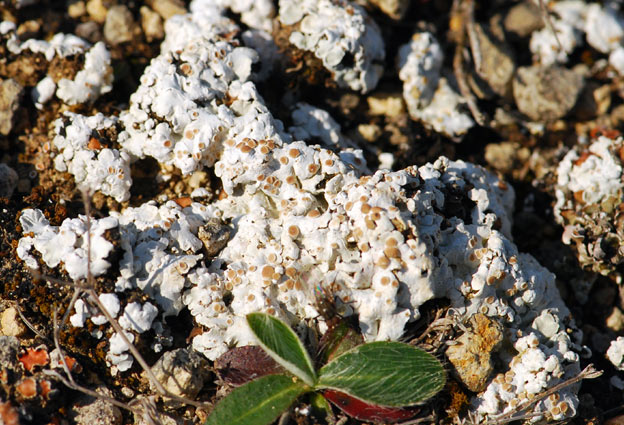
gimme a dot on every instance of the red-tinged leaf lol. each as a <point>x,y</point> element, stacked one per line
<point>369,412</point>
<point>243,364</point>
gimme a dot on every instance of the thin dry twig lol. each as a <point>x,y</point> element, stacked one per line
<point>549,24</point>
<point>462,24</point>
<point>145,407</point>
<point>28,324</point>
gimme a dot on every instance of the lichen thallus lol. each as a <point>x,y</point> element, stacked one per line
<point>144,407</point>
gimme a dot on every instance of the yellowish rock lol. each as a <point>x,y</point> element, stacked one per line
<point>11,324</point>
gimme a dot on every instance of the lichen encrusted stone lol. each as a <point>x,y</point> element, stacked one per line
<point>297,216</point>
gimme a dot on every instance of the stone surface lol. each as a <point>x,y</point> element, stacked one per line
<point>8,181</point>
<point>546,93</point>
<point>10,95</point>
<point>214,235</point>
<point>471,356</point>
<point>96,411</point>
<point>11,323</point>
<point>181,372</point>
<point>167,8</point>
<point>152,24</point>
<point>523,18</point>
<point>393,8</point>
<point>119,25</point>
<point>497,64</point>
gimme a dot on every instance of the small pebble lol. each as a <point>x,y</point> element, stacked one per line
<point>97,10</point>
<point>8,182</point>
<point>152,24</point>
<point>523,18</point>
<point>546,93</point>
<point>167,8</point>
<point>10,95</point>
<point>11,324</point>
<point>181,372</point>
<point>119,25</point>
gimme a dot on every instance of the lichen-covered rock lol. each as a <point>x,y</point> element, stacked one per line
<point>615,353</point>
<point>300,216</point>
<point>85,150</point>
<point>341,35</point>
<point>589,195</point>
<point>568,21</point>
<point>419,63</point>
<point>471,353</point>
<point>194,98</point>
<point>311,123</point>
<point>429,97</point>
<point>66,243</point>
<point>86,83</point>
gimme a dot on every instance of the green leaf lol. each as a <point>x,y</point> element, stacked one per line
<point>337,340</point>
<point>258,402</point>
<point>321,408</point>
<point>281,343</point>
<point>385,373</point>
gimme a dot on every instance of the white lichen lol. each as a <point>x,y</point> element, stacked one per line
<point>615,353</point>
<point>341,35</point>
<point>93,80</point>
<point>429,97</point>
<point>67,243</point>
<point>568,22</point>
<point>80,145</point>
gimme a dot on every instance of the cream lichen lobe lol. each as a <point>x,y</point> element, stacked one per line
<point>383,243</point>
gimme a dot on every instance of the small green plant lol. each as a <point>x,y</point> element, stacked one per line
<point>384,375</point>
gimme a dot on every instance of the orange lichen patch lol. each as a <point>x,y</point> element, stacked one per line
<point>34,357</point>
<point>27,388</point>
<point>583,157</point>
<point>94,144</point>
<point>72,364</point>
<point>45,387</point>
<point>599,131</point>
<point>459,400</point>
<point>184,201</point>
<point>8,414</point>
